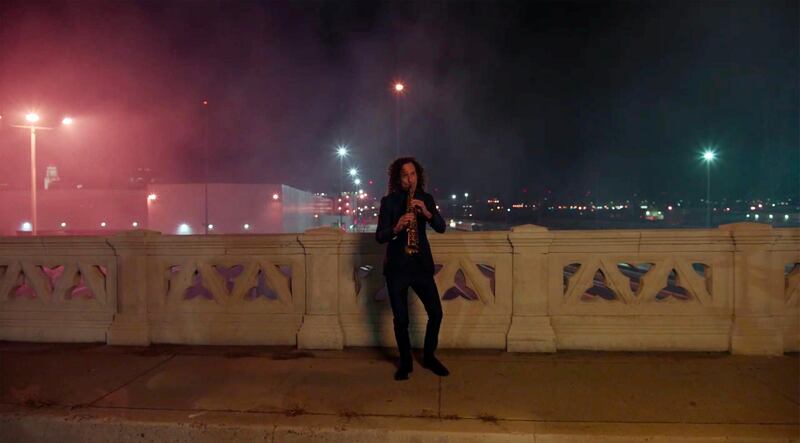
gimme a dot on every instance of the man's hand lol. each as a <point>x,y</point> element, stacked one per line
<point>420,207</point>
<point>404,221</point>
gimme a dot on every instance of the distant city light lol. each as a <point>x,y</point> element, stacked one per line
<point>63,224</point>
<point>786,217</point>
<point>32,117</point>
<point>102,224</point>
<point>453,196</point>
<point>398,87</point>
<point>353,172</point>
<point>341,151</point>
<point>26,226</point>
<point>184,229</point>
<point>357,181</point>
<point>246,226</point>
<point>275,196</point>
<point>669,208</point>
<point>466,194</point>
<point>67,121</point>
<point>151,197</point>
<point>135,224</point>
<point>210,226</point>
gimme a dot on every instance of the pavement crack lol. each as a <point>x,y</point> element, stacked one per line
<point>136,377</point>
<point>440,397</point>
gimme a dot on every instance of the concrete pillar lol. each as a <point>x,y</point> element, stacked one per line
<point>321,328</point>
<point>130,325</point>
<point>758,290</point>
<point>531,329</point>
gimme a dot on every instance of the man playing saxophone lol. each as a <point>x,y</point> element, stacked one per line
<point>405,212</point>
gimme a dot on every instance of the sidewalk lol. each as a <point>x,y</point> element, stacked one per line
<point>66,393</point>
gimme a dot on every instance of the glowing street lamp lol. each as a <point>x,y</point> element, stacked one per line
<point>709,155</point>
<point>341,152</point>
<point>353,172</point>
<point>32,118</point>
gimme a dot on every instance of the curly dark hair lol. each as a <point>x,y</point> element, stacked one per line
<point>394,174</point>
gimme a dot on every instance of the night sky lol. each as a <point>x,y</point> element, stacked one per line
<point>581,98</point>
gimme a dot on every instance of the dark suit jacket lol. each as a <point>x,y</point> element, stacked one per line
<point>393,206</point>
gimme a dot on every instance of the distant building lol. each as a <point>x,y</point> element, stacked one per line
<point>168,208</point>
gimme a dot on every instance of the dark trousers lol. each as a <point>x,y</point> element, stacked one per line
<point>423,284</point>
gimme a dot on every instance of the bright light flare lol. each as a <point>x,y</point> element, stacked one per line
<point>399,87</point>
<point>341,151</point>
<point>32,117</point>
<point>27,227</point>
<point>709,155</point>
<point>184,229</point>
<point>275,196</point>
<point>152,198</point>
<point>67,121</point>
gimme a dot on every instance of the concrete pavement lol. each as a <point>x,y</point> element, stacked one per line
<point>68,392</point>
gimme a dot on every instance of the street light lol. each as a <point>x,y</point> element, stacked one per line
<point>341,152</point>
<point>709,155</point>
<point>32,118</point>
<point>399,90</point>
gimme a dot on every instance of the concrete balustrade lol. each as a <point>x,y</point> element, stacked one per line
<point>735,288</point>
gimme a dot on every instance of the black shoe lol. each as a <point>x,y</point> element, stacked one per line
<point>403,369</point>
<point>435,366</point>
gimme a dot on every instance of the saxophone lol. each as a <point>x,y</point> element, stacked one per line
<point>412,242</point>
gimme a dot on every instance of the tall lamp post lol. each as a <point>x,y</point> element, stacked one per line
<point>206,124</point>
<point>32,118</point>
<point>709,155</point>
<point>354,175</point>
<point>341,152</point>
<point>399,89</point>
<point>356,182</point>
